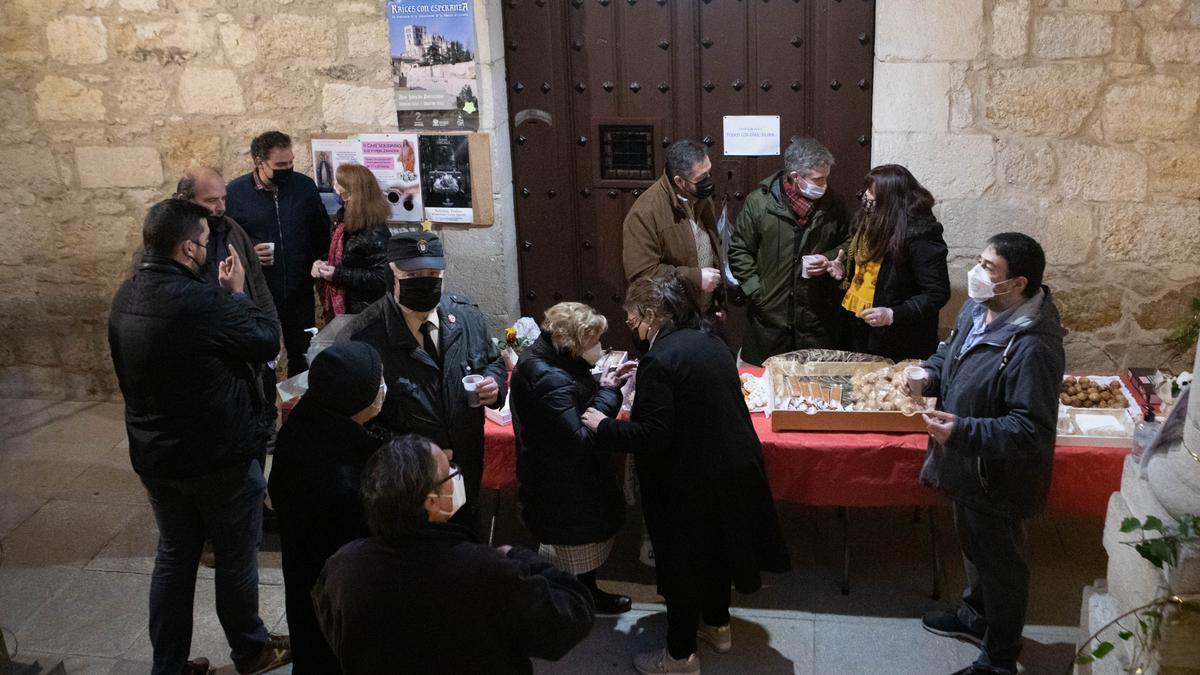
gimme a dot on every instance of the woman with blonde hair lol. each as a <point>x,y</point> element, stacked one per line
<point>569,495</point>
<point>356,273</point>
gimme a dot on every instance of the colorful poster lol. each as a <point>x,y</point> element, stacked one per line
<point>433,65</point>
<point>446,178</point>
<point>394,160</point>
<point>327,155</point>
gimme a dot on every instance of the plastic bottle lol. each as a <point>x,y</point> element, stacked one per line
<point>1143,435</point>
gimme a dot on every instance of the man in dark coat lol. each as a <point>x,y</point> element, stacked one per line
<point>997,379</point>
<point>183,352</point>
<point>429,342</point>
<point>672,227</point>
<point>314,485</point>
<point>422,596</point>
<point>282,211</point>
<point>787,234</point>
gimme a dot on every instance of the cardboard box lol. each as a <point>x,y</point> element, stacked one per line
<point>834,374</point>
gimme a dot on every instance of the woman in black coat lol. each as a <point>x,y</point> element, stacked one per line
<point>704,491</point>
<point>356,273</point>
<point>314,485</point>
<point>896,273</point>
<point>569,495</point>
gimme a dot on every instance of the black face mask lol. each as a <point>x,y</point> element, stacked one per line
<point>420,294</point>
<point>640,344</point>
<point>705,187</point>
<point>281,176</point>
<point>216,222</point>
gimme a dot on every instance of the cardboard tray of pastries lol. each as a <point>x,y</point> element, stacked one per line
<point>824,390</point>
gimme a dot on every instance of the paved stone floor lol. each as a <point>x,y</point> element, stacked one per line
<point>78,546</point>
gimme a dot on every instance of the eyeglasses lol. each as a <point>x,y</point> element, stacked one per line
<point>454,471</point>
<point>204,245</point>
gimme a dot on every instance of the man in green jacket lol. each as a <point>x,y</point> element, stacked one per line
<point>790,234</point>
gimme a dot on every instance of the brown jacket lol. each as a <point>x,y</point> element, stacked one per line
<point>657,237</point>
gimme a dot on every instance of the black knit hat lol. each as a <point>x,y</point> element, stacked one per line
<point>416,251</point>
<point>345,377</point>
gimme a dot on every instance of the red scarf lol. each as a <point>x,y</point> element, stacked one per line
<point>333,298</point>
<point>801,206</point>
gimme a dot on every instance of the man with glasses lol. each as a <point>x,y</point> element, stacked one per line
<point>673,227</point>
<point>184,352</point>
<point>430,341</point>
<point>423,596</point>
<point>790,234</point>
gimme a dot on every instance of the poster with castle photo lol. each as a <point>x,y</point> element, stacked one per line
<point>433,65</point>
<point>446,178</point>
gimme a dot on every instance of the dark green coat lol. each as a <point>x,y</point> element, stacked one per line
<point>785,311</point>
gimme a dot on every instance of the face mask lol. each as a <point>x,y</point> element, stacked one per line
<point>640,344</point>
<point>384,387</point>
<point>337,197</point>
<point>980,287</point>
<point>705,187</point>
<point>420,294</point>
<point>868,204</point>
<point>809,190</point>
<point>593,354</point>
<point>281,176</point>
<point>457,499</point>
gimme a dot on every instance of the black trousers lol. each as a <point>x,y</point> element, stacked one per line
<point>296,314</point>
<point>709,601</point>
<point>997,593</point>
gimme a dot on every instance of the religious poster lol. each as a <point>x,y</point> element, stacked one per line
<point>393,158</point>
<point>446,178</point>
<point>433,65</point>
<point>327,155</point>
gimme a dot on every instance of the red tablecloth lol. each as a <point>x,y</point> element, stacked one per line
<point>852,469</point>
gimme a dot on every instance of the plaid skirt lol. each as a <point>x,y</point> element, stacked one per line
<point>577,559</point>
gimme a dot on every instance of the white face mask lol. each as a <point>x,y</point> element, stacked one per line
<point>980,286</point>
<point>813,192</point>
<point>457,499</point>
<point>593,354</point>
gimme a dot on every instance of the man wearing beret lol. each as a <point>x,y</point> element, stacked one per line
<point>429,342</point>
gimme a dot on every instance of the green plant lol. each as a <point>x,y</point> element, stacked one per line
<point>1160,550</point>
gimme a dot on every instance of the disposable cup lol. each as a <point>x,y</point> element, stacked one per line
<point>804,262</point>
<point>917,377</point>
<point>470,383</point>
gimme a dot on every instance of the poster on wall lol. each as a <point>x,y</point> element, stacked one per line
<point>394,160</point>
<point>327,155</point>
<point>446,178</point>
<point>433,64</point>
<point>751,135</point>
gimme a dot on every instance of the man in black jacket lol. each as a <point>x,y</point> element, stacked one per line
<point>422,596</point>
<point>183,352</point>
<point>991,448</point>
<point>281,210</point>
<point>429,342</point>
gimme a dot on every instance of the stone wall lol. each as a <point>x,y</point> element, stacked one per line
<point>1074,121</point>
<point>106,102</point>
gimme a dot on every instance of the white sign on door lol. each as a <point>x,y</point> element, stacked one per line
<point>751,135</point>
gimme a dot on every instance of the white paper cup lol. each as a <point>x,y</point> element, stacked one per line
<point>271,250</point>
<point>917,377</point>
<point>804,265</point>
<point>470,382</point>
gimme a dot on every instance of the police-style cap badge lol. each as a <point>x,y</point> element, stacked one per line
<point>416,251</point>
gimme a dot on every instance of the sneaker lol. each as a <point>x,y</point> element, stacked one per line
<point>976,669</point>
<point>611,603</point>
<point>720,638</point>
<point>197,666</point>
<point>660,661</point>
<point>946,624</point>
<point>277,652</point>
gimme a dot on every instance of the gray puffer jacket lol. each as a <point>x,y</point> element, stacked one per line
<point>1004,391</point>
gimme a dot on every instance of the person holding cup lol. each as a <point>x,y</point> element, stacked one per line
<point>792,221</point>
<point>430,342</point>
<point>570,497</point>
<point>895,275</point>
